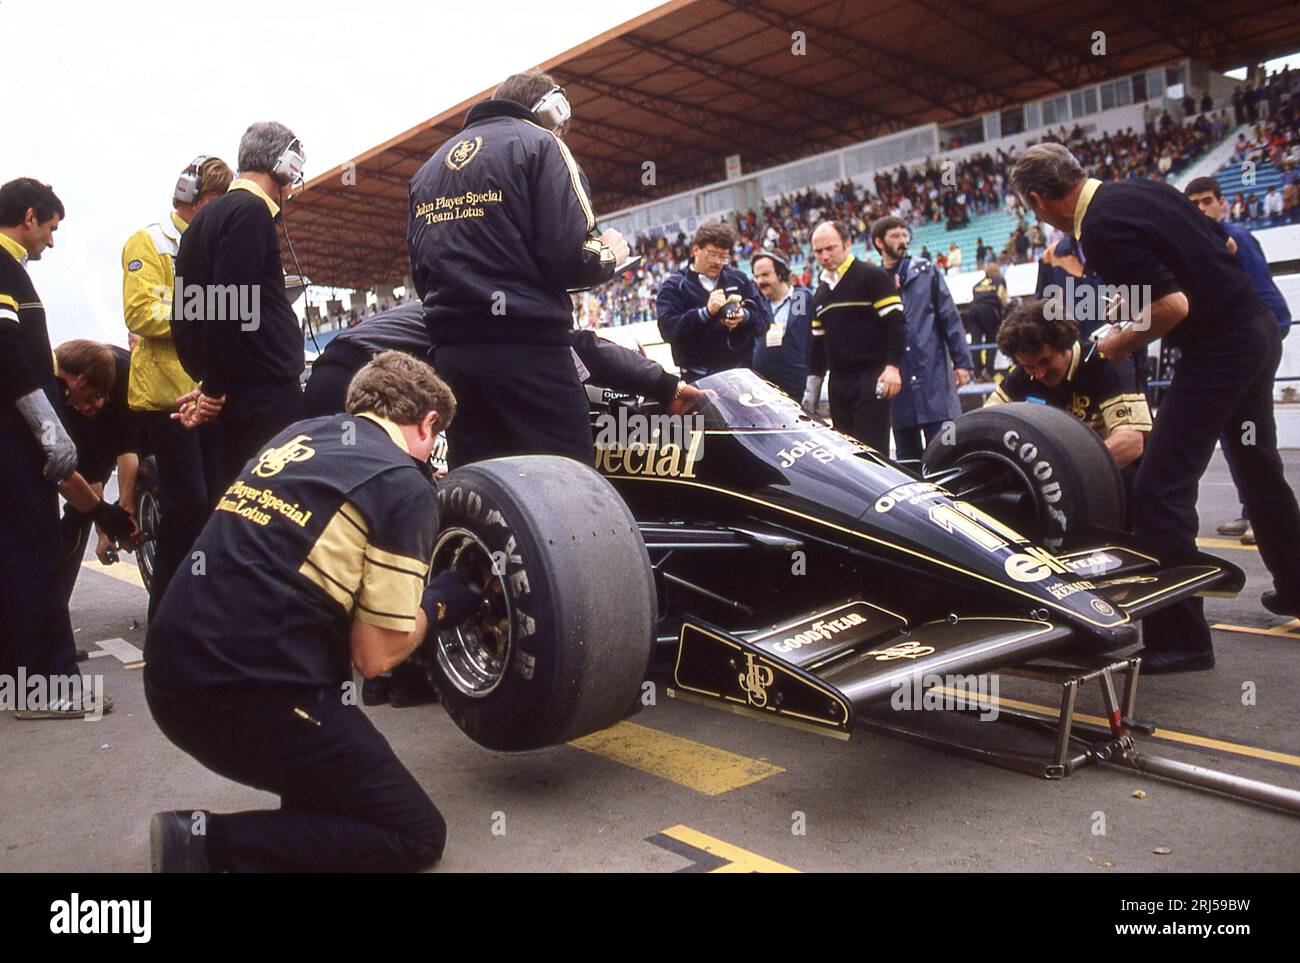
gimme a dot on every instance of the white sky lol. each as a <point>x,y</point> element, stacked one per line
<point>108,101</point>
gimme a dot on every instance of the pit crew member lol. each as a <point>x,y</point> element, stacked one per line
<point>315,561</point>
<point>1146,235</point>
<point>501,228</point>
<point>859,332</point>
<point>188,462</point>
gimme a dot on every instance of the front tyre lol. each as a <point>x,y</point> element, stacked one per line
<point>561,648</point>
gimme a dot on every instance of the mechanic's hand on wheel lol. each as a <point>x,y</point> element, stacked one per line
<point>617,243</point>
<point>717,298</point>
<point>450,599</point>
<point>114,520</point>
<point>60,452</point>
<point>105,548</point>
<point>890,382</point>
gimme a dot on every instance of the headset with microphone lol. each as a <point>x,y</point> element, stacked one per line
<point>190,181</point>
<point>781,265</point>
<point>553,109</point>
<point>289,165</point>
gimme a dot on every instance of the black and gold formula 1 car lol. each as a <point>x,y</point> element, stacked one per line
<point>774,566</point>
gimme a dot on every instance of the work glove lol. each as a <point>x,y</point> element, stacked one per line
<point>113,519</point>
<point>812,395</point>
<point>60,452</point>
<point>450,599</point>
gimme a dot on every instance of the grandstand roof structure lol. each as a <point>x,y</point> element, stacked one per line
<point>693,81</point>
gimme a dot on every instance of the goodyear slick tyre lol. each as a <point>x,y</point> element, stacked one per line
<point>571,580</point>
<point>148,517</point>
<point>1068,466</point>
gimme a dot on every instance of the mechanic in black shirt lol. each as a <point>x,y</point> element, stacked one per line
<point>1053,368</point>
<point>94,379</point>
<point>233,324</point>
<point>1147,238</point>
<point>602,363</point>
<point>711,314</point>
<point>501,228</point>
<point>859,332</point>
<point>313,561</point>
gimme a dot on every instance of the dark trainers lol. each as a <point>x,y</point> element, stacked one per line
<point>1279,604</point>
<point>1163,661</point>
<point>410,687</point>
<point>174,846</point>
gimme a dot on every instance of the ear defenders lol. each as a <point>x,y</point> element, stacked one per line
<point>781,264</point>
<point>191,179</point>
<point>288,166</point>
<point>553,108</point>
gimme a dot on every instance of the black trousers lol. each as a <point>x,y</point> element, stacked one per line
<point>514,400</point>
<point>982,322</point>
<point>35,630</point>
<point>327,389</point>
<point>74,535</point>
<point>253,415</point>
<point>189,483</point>
<point>910,442</point>
<point>855,409</point>
<point>1224,389</point>
<point>347,804</point>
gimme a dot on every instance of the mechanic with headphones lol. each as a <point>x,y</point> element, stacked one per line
<point>501,229</point>
<point>188,462</point>
<point>781,355</point>
<point>234,326</point>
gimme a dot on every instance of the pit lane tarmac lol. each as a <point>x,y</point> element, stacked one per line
<point>682,788</point>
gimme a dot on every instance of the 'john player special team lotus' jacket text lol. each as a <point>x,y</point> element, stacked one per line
<point>500,229</point>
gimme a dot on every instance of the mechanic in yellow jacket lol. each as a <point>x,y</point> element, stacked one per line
<point>187,461</point>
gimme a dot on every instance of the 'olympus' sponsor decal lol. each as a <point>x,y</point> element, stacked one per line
<point>913,493</point>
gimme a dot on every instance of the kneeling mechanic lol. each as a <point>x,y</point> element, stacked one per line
<point>314,560</point>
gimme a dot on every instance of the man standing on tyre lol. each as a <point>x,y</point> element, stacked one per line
<point>314,561</point>
<point>859,332</point>
<point>1145,234</point>
<point>500,229</point>
<point>711,313</point>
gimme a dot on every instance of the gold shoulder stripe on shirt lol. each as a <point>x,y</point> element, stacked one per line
<point>7,301</point>
<point>891,299</point>
<point>336,562</point>
<point>577,182</point>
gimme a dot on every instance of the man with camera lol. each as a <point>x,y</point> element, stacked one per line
<point>711,314</point>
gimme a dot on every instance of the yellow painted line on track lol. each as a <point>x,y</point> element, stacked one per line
<point>1169,735</point>
<point>706,769</point>
<point>1229,543</point>
<point>1284,631</point>
<point>121,571</point>
<point>737,860</point>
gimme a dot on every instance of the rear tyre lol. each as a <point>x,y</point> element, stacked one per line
<point>1037,469</point>
<point>562,647</point>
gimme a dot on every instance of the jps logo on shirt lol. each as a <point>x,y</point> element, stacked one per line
<point>464,152</point>
<point>274,460</point>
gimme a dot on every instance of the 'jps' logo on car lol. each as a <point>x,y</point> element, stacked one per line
<point>274,460</point>
<point>464,152</point>
<point>755,680</point>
